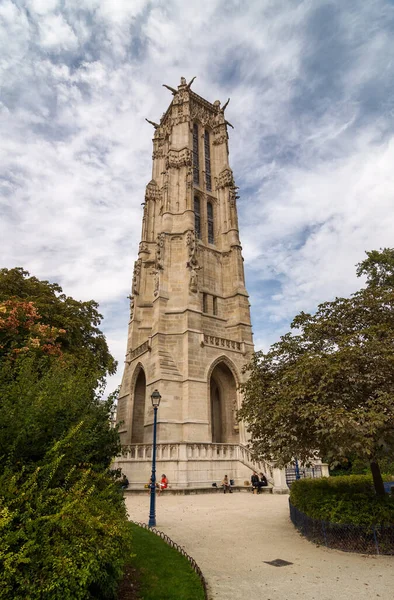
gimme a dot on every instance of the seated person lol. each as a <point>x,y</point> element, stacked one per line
<point>263,480</point>
<point>124,482</point>
<point>226,485</point>
<point>255,481</point>
<point>163,483</point>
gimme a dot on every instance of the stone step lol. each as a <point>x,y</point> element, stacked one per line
<point>195,490</point>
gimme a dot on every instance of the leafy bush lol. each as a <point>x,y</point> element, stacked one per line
<point>64,532</point>
<point>349,499</point>
<point>67,543</point>
<point>41,400</point>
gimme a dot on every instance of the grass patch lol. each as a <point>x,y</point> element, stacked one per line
<point>163,572</point>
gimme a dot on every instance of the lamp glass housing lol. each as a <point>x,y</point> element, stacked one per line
<point>155,398</point>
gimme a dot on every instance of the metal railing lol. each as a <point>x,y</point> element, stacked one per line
<point>181,550</point>
<point>292,474</point>
<point>365,539</point>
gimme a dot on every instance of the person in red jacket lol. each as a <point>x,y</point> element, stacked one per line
<point>163,483</point>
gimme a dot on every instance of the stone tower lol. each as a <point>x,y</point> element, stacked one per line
<point>190,329</point>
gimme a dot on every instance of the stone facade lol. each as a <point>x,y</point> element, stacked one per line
<point>190,329</point>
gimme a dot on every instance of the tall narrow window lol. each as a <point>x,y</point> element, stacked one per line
<point>207,152</point>
<point>197,216</point>
<point>211,239</point>
<point>205,303</point>
<point>196,166</point>
<point>215,305</point>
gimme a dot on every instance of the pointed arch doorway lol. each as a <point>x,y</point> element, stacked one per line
<point>223,405</point>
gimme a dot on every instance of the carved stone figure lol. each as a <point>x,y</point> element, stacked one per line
<point>156,284</point>
<point>136,278</point>
<point>160,251</point>
<point>191,243</point>
<point>131,298</point>
<point>193,283</point>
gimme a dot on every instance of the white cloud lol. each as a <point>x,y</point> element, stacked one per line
<point>56,34</point>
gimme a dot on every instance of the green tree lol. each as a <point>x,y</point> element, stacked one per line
<point>76,323</point>
<point>41,399</point>
<point>63,525</point>
<point>328,388</point>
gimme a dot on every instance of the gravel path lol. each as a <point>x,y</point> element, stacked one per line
<point>232,535</point>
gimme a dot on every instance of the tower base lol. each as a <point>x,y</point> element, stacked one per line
<point>196,465</point>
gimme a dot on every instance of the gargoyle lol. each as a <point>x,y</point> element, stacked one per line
<point>155,125</point>
<point>190,82</point>
<point>224,106</point>
<point>172,90</point>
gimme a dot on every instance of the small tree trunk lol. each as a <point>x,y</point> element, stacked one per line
<point>377,478</point>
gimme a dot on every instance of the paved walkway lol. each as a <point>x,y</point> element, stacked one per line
<point>232,535</point>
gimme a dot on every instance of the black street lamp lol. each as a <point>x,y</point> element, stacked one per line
<point>155,398</point>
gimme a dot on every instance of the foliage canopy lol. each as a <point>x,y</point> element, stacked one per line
<point>36,313</point>
<point>63,526</point>
<point>329,385</point>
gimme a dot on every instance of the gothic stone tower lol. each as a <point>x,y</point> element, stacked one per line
<point>190,330</point>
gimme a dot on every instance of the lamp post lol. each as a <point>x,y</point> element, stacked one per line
<point>297,469</point>
<point>155,398</point>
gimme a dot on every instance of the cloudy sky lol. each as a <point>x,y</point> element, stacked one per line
<point>312,101</point>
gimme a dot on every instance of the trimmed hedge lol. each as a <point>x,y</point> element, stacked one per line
<point>350,499</point>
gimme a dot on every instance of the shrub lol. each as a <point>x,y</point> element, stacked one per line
<point>349,499</point>
<point>67,543</point>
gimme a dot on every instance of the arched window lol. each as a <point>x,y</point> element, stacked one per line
<point>197,216</point>
<point>211,238</point>
<point>207,152</point>
<point>196,166</point>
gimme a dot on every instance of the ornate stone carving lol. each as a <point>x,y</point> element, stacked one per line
<point>159,153</point>
<point>131,298</point>
<point>136,278</point>
<point>191,243</point>
<point>152,191</point>
<point>212,340</point>
<point>140,350</point>
<point>233,207</point>
<point>220,139</point>
<point>143,247</point>
<point>235,417</point>
<point>193,283</point>
<point>192,263</point>
<point>189,178</point>
<point>201,113</point>
<point>225,179</point>
<point>178,120</point>
<point>156,282</point>
<point>179,158</point>
<point>159,262</point>
<point>160,250</point>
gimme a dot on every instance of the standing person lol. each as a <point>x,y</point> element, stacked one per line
<point>255,481</point>
<point>163,483</point>
<point>226,485</point>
